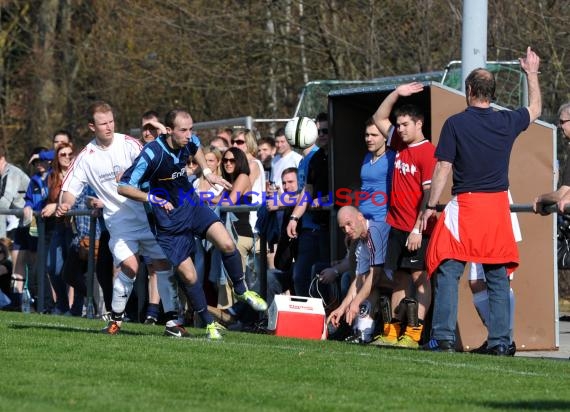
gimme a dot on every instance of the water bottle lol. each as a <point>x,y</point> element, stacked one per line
<point>26,301</point>
<point>90,310</point>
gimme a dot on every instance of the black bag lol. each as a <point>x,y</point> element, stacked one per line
<point>563,242</point>
<point>285,253</point>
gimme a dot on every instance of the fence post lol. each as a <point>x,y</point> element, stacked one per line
<point>91,268</point>
<point>41,263</point>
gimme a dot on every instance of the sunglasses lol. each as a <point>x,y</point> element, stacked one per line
<point>323,131</point>
<point>238,142</point>
<point>561,122</point>
<point>228,160</point>
<point>65,154</point>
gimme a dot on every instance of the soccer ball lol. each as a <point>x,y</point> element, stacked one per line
<point>301,132</point>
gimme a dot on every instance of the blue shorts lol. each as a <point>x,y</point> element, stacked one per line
<point>372,251</point>
<point>175,230</point>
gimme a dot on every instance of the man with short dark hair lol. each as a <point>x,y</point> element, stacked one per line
<point>265,153</point>
<point>284,158</point>
<point>150,126</point>
<point>180,214</point>
<point>407,243</point>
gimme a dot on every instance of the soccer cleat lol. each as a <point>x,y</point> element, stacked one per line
<point>213,331</point>
<point>382,340</point>
<point>435,345</point>
<point>354,339</point>
<point>176,331</point>
<point>253,299</point>
<point>407,342</point>
<point>106,316</point>
<point>112,328</point>
<point>150,320</point>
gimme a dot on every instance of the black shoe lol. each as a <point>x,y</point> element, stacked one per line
<point>484,350</point>
<point>150,320</point>
<point>481,350</point>
<point>498,350</point>
<point>512,349</point>
<point>435,345</point>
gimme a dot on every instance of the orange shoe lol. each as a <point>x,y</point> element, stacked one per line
<point>112,328</point>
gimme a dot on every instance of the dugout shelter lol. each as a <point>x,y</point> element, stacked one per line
<point>532,171</point>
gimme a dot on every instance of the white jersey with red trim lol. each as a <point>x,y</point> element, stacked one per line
<point>99,167</point>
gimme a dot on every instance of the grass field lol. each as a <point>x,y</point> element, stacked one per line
<point>52,363</point>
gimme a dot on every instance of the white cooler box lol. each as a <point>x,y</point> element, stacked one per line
<point>297,317</point>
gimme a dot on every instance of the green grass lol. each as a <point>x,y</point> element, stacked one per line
<point>51,363</point>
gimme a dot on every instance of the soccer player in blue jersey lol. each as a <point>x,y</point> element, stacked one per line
<point>180,214</point>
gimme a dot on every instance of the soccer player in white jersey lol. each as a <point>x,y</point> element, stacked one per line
<point>100,165</point>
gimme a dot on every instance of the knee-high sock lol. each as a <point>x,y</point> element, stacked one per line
<point>122,288</point>
<point>168,291</point>
<point>511,312</point>
<point>197,298</point>
<point>232,263</point>
<point>481,302</point>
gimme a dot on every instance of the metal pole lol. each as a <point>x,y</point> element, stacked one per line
<point>91,268</point>
<point>263,265</point>
<point>474,37</point>
<point>41,262</point>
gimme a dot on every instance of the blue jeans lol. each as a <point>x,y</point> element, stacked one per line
<point>445,304</point>
<point>57,253</point>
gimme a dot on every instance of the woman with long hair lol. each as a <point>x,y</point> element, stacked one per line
<point>235,169</point>
<point>61,234</point>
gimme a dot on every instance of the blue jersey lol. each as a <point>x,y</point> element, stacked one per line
<point>164,169</point>
<point>376,180</point>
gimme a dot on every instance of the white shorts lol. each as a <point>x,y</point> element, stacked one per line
<point>125,244</point>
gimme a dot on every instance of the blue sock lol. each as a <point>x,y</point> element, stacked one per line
<point>197,298</point>
<point>232,264</point>
<point>152,310</point>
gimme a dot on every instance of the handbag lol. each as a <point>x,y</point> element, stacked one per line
<point>83,249</point>
<point>285,253</point>
<point>563,242</point>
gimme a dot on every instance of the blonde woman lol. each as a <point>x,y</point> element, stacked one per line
<point>245,140</point>
<point>213,157</point>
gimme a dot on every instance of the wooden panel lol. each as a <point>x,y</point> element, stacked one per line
<point>534,284</point>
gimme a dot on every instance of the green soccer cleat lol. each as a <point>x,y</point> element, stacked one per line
<point>382,340</point>
<point>407,342</point>
<point>253,299</point>
<point>213,331</point>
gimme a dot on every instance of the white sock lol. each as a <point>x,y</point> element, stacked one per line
<point>481,302</point>
<point>168,290</point>
<point>122,288</point>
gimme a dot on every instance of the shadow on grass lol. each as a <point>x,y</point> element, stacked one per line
<point>75,329</point>
<point>536,405</point>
